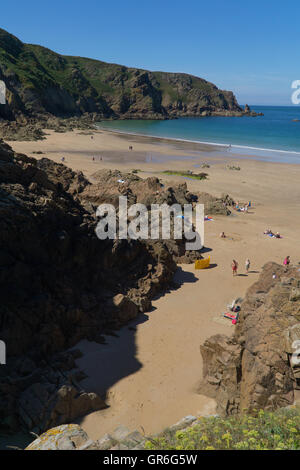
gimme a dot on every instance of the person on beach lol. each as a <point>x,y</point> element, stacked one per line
<point>234,267</point>
<point>286,261</point>
<point>247,265</point>
<point>222,235</point>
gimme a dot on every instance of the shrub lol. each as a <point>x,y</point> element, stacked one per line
<point>264,430</point>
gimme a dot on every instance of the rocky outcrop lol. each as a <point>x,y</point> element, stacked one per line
<point>110,184</point>
<point>64,437</point>
<point>72,437</point>
<point>41,84</point>
<point>59,283</point>
<point>216,205</point>
<point>254,368</point>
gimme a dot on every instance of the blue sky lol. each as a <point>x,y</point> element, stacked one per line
<point>249,47</point>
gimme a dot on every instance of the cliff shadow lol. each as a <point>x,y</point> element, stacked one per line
<point>181,277</point>
<point>108,363</point>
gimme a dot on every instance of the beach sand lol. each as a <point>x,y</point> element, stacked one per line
<point>149,373</point>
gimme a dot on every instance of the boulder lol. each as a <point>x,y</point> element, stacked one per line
<point>65,437</point>
<point>42,406</point>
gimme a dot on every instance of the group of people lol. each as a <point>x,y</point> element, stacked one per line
<point>235,265</point>
<point>242,207</point>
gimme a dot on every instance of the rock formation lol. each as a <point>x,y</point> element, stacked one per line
<point>72,437</point>
<point>254,369</point>
<point>216,205</point>
<point>59,283</point>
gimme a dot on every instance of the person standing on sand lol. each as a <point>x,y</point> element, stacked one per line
<point>247,265</point>
<point>234,267</point>
<point>286,261</point>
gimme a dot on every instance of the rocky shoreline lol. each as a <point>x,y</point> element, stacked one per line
<point>24,128</point>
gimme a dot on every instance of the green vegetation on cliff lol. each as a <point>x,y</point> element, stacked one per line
<point>264,431</point>
<point>41,81</point>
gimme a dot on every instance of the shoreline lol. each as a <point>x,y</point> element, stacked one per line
<point>209,145</point>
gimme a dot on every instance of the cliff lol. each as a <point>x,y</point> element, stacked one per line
<point>41,82</point>
<point>256,367</point>
<point>59,283</point>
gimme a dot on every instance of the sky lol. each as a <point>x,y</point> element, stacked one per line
<point>249,47</point>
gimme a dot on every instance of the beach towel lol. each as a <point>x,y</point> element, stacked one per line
<point>206,217</point>
<point>231,316</point>
<point>202,263</point>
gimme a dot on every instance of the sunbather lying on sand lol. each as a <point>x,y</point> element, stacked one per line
<point>271,234</point>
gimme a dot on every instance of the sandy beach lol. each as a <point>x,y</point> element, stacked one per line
<point>150,372</point>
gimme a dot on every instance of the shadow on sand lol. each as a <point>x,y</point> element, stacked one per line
<point>107,364</point>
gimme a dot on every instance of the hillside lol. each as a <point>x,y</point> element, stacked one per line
<point>41,82</point>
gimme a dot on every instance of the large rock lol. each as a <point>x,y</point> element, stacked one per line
<point>252,369</point>
<point>42,406</point>
<point>65,437</point>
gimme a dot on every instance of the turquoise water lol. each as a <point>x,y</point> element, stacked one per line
<point>275,131</point>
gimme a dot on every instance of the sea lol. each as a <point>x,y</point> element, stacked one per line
<point>275,136</point>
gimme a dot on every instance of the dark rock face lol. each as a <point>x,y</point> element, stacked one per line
<point>59,283</point>
<point>253,369</point>
<point>42,83</point>
<point>214,205</point>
